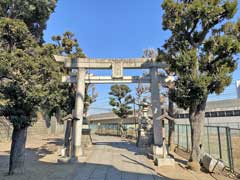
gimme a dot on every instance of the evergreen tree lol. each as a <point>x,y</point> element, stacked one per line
<point>30,79</point>
<point>28,74</point>
<point>201,51</point>
<point>67,45</point>
<point>33,13</point>
<point>121,99</point>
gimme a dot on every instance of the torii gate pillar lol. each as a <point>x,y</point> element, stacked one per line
<point>117,66</point>
<point>156,112</point>
<point>77,149</point>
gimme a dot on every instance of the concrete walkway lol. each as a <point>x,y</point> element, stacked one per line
<point>113,159</point>
<point>110,159</point>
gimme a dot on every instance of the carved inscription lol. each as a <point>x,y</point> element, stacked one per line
<point>117,70</point>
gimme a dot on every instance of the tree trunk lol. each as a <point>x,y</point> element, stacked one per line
<point>17,154</point>
<point>122,134</point>
<point>171,125</point>
<point>196,118</point>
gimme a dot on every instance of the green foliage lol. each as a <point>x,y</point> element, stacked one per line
<point>68,45</point>
<point>69,50</point>
<point>120,100</point>
<point>202,47</point>
<point>33,13</point>
<point>29,77</point>
<point>57,97</point>
<point>14,34</point>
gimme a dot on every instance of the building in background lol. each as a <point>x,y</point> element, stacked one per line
<point>218,113</point>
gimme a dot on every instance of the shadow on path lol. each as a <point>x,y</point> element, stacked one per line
<point>136,162</point>
<point>38,170</point>
<point>122,145</point>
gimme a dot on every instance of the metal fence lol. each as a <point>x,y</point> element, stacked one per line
<point>114,129</point>
<point>221,142</point>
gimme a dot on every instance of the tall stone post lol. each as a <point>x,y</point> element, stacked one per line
<point>156,108</point>
<point>159,148</point>
<point>77,149</point>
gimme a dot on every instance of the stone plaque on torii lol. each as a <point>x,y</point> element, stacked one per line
<point>117,66</point>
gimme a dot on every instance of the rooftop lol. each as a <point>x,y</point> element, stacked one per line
<point>228,104</point>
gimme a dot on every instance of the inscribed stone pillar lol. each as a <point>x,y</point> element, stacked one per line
<point>156,107</point>
<point>77,149</point>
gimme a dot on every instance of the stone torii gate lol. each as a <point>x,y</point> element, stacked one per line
<point>117,66</point>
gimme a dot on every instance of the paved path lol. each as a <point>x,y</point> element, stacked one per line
<point>113,159</point>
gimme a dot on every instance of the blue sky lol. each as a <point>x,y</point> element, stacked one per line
<point>114,29</point>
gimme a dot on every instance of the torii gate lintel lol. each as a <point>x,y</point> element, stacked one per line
<point>117,66</point>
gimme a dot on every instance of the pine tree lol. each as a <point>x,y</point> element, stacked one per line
<point>120,99</point>
<point>68,45</point>
<point>201,51</point>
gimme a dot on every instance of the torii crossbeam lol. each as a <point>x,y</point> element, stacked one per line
<point>117,66</point>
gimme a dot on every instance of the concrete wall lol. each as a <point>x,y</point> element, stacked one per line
<point>5,129</point>
<point>41,127</point>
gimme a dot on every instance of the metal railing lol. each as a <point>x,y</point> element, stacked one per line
<point>114,130</point>
<point>219,141</point>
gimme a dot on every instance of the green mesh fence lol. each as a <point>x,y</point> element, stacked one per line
<point>220,142</point>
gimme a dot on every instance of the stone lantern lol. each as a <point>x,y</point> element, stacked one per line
<point>145,130</point>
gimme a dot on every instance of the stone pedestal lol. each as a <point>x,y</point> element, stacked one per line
<point>167,161</point>
<point>145,138</point>
<point>160,156</point>
<point>86,134</point>
<point>86,137</point>
<point>86,141</point>
<point>159,151</point>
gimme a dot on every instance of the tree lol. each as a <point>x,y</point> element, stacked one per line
<point>201,51</point>
<point>90,97</point>
<point>33,13</point>
<point>27,76</point>
<point>120,99</point>
<point>69,46</point>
